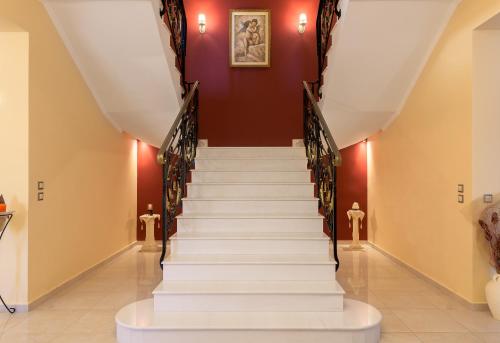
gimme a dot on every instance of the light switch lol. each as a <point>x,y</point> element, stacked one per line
<point>460,198</point>
<point>40,196</point>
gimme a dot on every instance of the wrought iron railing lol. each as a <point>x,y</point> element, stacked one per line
<point>176,155</point>
<point>174,16</point>
<point>323,158</point>
<point>328,15</point>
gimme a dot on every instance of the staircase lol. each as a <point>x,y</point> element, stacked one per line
<point>249,261</point>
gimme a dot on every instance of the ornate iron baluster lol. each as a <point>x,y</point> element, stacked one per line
<point>323,158</point>
<point>328,15</point>
<point>174,16</point>
<point>177,155</point>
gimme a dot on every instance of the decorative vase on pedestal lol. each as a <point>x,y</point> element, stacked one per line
<point>490,223</point>
<point>493,296</point>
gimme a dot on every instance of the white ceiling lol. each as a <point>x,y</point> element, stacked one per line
<point>379,49</point>
<point>122,50</point>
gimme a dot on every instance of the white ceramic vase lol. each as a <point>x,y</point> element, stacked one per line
<point>493,296</point>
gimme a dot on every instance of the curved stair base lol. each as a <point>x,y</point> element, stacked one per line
<point>139,323</point>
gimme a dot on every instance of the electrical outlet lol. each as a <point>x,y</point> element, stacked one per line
<point>460,198</point>
<point>488,198</point>
<point>40,196</point>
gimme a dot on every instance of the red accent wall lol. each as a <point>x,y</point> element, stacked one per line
<point>251,106</point>
<point>149,185</point>
<point>351,187</point>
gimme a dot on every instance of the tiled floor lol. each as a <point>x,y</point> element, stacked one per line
<point>413,310</point>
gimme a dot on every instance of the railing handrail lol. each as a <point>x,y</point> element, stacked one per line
<point>328,135</point>
<point>167,142</point>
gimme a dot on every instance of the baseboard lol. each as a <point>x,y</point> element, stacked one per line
<point>32,305</point>
<point>444,289</point>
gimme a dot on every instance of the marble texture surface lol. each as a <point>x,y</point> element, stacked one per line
<point>414,311</point>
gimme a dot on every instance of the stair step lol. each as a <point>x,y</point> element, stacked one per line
<point>138,323</point>
<point>250,190</point>
<point>249,152</point>
<point>252,164</point>
<point>249,243</point>
<point>251,206</point>
<point>207,222</point>
<point>200,176</point>
<point>242,267</point>
<point>218,296</point>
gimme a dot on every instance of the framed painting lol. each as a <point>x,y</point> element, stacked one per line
<point>250,38</point>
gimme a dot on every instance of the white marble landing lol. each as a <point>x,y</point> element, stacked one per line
<point>139,323</point>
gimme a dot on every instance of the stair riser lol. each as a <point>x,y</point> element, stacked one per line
<point>252,165</point>
<point>255,225</point>
<point>298,272</point>
<point>242,176</point>
<point>250,152</point>
<point>126,335</point>
<point>248,302</point>
<point>228,191</point>
<point>254,207</point>
<point>249,246</point>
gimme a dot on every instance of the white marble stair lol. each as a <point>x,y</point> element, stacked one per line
<point>249,243</point>
<point>250,152</point>
<point>251,164</point>
<point>238,222</point>
<point>251,296</point>
<point>249,261</point>
<point>262,176</point>
<point>294,267</point>
<point>224,190</point>
<point>263,206</point>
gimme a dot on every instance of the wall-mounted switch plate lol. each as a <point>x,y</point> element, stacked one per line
<point>41,185</point>
<point>460,198</point>
<point>460,188</point>
<point>488,198</point>
<point>40,196</point>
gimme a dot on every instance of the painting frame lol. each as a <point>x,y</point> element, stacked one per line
<point>233,59</point>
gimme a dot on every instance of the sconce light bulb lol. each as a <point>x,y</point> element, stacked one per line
<point>303,18</point>
<point>302,22</point>
<point>202,22</point>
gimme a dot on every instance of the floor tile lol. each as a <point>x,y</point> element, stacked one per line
<point>399,338</point>
<point>448,338</point>
<point>429,321</point>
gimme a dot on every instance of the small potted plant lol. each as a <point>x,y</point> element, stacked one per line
<point>490,224</point>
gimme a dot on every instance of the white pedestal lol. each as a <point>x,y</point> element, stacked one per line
<point>149,244</point>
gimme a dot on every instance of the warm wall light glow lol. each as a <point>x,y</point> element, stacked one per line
<point>202,22</point>
<point>302,22</point>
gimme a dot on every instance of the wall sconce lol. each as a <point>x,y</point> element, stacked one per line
<point>302,23</point>
<point>202,22</point>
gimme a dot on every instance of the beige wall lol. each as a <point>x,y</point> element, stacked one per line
<point>89,168</point>
<point>14,162</point>
<point>416,164</point>
<point>485,131</point>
